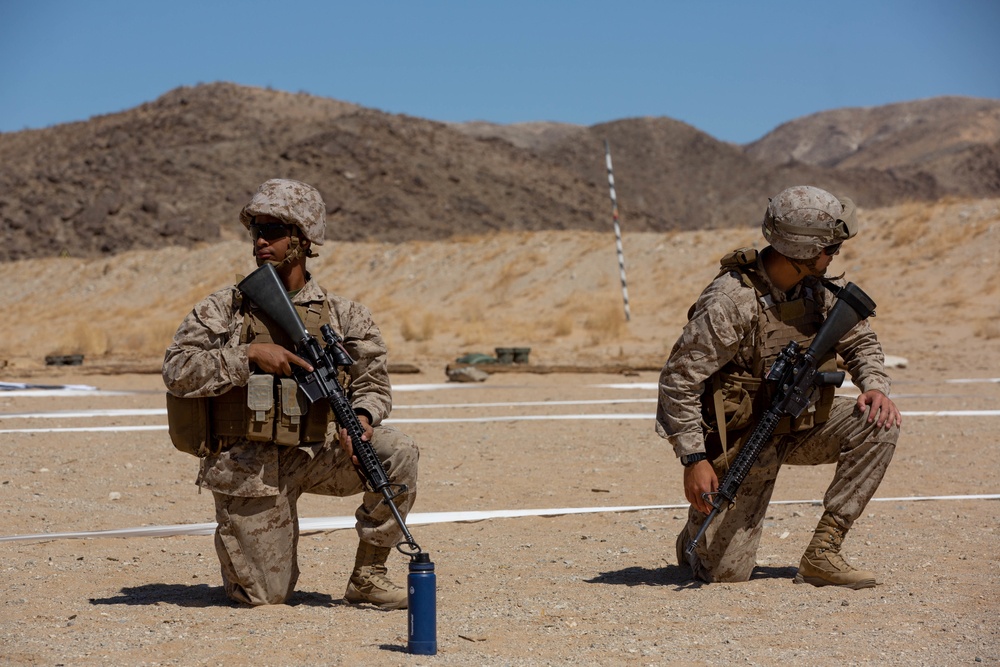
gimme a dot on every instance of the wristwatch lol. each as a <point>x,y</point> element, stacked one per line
<point>691,459</point>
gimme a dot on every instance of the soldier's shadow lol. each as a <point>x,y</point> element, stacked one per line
<point>200,595</point>
<point>676,576</point>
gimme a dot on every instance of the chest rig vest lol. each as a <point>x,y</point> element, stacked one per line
<point>271,408</point>
<point>733,393</point>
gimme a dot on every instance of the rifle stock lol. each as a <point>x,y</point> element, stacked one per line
<point>264,288</point>
<point>794,376</point>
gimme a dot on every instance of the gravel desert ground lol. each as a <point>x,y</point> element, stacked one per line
<point>596,588</point>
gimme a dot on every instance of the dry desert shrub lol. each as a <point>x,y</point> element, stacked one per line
<point>605,322</point>
<point>84,338</point>
<point>989,330</point>
<point>473,333</point>
<point>991,283</point>
<point>490,248</point>
<point>147,338</point>
<point>418,326</point>
<point>910,224</point>
<point>383,308</point>
<point>138,337</point>
<point>946,224</point>
<point>469,327</point>
<point>515,269</point>
<point>600,313</point>
<point>562,325</point>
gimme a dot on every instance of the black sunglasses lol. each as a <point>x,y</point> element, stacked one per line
<point>832,250</point>
<point>271,231</point>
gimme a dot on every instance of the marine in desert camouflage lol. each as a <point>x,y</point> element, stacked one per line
<point>709,394</point>
<point>265,446</point>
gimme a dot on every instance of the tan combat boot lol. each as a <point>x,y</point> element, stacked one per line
<point>368,581</point>
<point>822,564</point>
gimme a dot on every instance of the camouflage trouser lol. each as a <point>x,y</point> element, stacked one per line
<point>862,451</point>
<point>257,538</point>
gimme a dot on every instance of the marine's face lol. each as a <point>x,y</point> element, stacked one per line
<point>818,265</point>
<point>826,258</point>
<point>271,238</point>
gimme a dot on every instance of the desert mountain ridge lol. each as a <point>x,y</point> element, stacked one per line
<point>175,171</point>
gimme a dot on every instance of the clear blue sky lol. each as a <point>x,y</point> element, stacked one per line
<point>735,69</point>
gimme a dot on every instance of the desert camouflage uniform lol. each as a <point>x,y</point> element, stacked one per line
<point>724,327</point>
<point>256,485</point>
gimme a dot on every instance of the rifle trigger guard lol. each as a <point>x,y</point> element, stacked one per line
<point>397,490</point>
<point>708,496</point>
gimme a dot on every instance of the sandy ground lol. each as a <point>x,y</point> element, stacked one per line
<point>597,588</point>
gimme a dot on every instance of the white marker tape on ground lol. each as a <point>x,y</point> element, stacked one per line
<point>87,429</point>
<point>515,404</point>
<point>13,386</point>
<point>84,414</point>
<point>517,418</point>
<point>426,420</point>
<point>24,390</point>
<point>336,522</point>
<point>653,386</point>
<point>45,393</point>
<point>950,413</point>
<point>423,518</point>
<point>481,420</point>
<point>973,380</point>
<point>436,387</point>
<point>156,412</point>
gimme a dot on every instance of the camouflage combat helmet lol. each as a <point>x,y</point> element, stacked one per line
<point>802,220</point>
<point>294,202</point>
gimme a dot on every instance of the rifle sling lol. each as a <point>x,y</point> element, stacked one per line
<point>720,415</point>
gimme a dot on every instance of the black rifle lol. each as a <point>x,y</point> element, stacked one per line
<point>793,378</point>
<point>264,288</point>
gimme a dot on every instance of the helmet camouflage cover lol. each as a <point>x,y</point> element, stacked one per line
<point>802,220</point>
<point>293,202</point>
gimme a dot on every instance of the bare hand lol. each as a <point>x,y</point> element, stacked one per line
<point>345,438</point>
<point>880,407</point>
<point>699,479</point>
<point>274,359</point>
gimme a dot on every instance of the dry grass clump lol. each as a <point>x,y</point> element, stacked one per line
<point>909,226</point>
<point>989,330</point>
<point>84,338</point>
<point>562,325</point>
<point>470,331</point>
<point>148,338</point>
<point>943,225</point>
<point>419,326</point>
<point>606,322</point>
<point>515,269</point>
<point>137,338</point>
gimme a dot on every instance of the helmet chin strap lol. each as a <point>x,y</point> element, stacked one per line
<point>810,264</point>
<point>295,251</point>
<point>802,266</point>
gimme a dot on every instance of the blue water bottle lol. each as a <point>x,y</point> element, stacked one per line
<point>421,589</point>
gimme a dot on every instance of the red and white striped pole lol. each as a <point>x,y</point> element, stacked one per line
<point>618,229</point>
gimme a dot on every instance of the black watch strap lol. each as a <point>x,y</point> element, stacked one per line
<point>691,459</point>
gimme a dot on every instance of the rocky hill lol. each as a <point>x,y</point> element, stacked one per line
<point>956,140</point>
<point>176,171</point>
